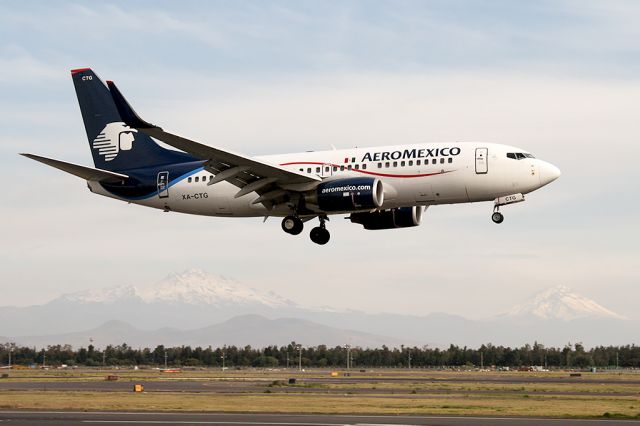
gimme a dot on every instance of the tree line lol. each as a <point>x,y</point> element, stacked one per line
<point>294,355</point>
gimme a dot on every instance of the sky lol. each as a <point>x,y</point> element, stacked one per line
<point>560,79</point>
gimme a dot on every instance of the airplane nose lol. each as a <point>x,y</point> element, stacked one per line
<point>548,173</point>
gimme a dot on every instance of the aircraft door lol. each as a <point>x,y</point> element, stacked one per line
<point>481,161</point>
<point>163,184</point>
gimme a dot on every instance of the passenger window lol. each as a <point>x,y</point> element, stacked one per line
<point>402,164</point>
<point>442,160</point>
<point>326,169</point>
<point>395,164</point>
<point>357,166</point>
<point>197,178</point>
<point>189,180</point>
<point>342,168</point>
<point>335,168</point>
<point>379,165</point>
<point>418,162</point>
<point>364,166</point>
<point>450,160</point>
<point>386,165</point>
<point>434,161</point>
<point>317,169</point>
<point>410,162</point>
<point>309,170</point>
<point>349,167</point>
<point>302,170</point>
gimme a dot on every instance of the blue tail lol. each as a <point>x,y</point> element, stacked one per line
<point>114,145</point>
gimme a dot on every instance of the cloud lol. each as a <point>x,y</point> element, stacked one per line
<point>17,66</point>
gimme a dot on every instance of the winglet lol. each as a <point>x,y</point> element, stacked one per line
<point>127,113</point>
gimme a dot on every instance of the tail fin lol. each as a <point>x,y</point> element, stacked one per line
<point>114,145</point>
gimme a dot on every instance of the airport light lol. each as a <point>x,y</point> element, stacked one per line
<point>348,348</point>
<point>165,359</point>
<point>299,347</point>
<point>409,359</point>
<point>222,356</point>
<point>10,351</point>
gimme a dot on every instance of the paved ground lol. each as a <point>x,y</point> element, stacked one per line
<point>51,418</point>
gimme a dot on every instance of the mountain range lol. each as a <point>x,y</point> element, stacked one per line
<point>198,308</point>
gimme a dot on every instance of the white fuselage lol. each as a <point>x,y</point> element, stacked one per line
<point>419,174</point>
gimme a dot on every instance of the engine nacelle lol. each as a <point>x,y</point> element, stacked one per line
<point>349,194</point>
<point>402,217</point>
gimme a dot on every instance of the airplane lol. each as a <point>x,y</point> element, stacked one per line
<point>384,187</point>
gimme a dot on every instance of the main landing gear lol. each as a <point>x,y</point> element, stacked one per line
<point>319,234</point>
<point>293,225</point>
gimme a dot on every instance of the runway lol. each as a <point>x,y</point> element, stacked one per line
<point>259,386</point>
<point>54,418</point>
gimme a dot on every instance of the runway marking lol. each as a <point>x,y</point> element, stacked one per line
<point>237,422</point>
<point>186,422</point>
<point>298,415</point>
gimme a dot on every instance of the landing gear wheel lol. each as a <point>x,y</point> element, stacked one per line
<point>497,217</point>
<point>292,225</point>
<point>320,235</point>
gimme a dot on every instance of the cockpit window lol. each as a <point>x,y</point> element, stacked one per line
<point>519,155</point>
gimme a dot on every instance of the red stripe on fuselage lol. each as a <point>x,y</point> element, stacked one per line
<point>315,163</point>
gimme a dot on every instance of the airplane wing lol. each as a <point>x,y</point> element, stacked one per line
<point>270,181</point>
<point>86,173</point>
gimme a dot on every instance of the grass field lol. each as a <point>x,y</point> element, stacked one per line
<point>391,391</point>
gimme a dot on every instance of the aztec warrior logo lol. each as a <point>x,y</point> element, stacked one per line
<point>115,137</point>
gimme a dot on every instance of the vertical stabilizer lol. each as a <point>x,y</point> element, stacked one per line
<point>114,145</point>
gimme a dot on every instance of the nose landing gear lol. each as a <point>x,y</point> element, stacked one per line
<point>320,234</point>
<point>497,217</point>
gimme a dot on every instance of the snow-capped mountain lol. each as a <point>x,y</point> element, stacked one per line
<point>193,287</point>
<point>187,302</point>
<point>560,303</point>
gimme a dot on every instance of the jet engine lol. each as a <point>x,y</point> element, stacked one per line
<point>402,217</point>
<point>361,193</point>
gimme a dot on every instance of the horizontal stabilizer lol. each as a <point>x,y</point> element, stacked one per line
<point>87,173</point>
